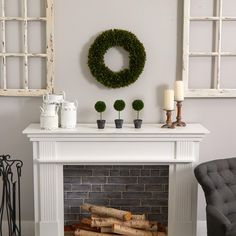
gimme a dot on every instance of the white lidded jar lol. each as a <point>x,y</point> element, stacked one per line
<point>57,99</point>
<point>69,114</point>
<point>49,116</point>
<point>54,98</point>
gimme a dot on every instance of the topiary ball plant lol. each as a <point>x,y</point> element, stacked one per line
<point>100,107</point>
<point>119,105</point>
<point>138,105</point>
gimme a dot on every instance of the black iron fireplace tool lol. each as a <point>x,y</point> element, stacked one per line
<point>10,201</point>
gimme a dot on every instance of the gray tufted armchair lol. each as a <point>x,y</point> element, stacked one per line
<point>218,180</point>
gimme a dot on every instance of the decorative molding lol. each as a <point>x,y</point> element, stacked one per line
<point>185,150</point>
<point>47,194</point>
<point>128,162</point>
<point>50,190</point>
<point>47,151</point>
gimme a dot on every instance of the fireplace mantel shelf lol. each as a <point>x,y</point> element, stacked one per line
<point>33,131</point>
<point>178,148</point>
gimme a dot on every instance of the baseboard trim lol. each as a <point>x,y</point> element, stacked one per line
<point>201,228</point>
<point>27,228</point>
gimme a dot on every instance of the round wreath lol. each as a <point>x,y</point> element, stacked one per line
<point>107,40</point>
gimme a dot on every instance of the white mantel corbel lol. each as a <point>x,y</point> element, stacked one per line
<point>178,148</point>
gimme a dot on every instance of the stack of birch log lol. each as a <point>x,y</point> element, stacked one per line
<point>106,221</point>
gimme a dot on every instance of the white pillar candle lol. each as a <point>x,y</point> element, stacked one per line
<point>169,100</point>
<point>179,90</point>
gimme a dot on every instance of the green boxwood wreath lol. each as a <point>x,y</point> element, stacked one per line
<point>116,38</point>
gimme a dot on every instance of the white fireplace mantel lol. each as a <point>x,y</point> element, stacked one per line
<point>178,148</point>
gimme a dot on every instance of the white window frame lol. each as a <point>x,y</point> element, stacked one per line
<point>49,55</point>
<point>217,91</point>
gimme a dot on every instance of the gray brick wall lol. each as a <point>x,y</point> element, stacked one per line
<point>139,189</point>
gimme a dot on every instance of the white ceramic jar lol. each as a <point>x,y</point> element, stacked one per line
<point>48,122</point>
<point>49,109</point>
<point>69,114</point>
<point>49,116</point>
<point>56,99</point>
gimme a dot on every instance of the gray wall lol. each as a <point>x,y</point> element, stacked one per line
<point>158,24</point>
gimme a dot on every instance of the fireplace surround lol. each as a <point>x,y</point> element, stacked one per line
<point>86,145</point>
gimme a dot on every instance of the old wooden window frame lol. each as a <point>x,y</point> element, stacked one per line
<point>49,55</point>
<point>217,91</point>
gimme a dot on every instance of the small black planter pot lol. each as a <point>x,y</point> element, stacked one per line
<point>119,123</point>
<point>101,124</point>
<point>138,123</point>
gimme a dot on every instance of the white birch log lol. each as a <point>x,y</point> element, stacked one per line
<point>107,212</point>
<point>138,224</point>
<point>139,217</point>
<point>124,230</point>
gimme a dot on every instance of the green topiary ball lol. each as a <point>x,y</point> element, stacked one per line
<point>138,105</point>
<point>119,105</point>
<point>100,106</point>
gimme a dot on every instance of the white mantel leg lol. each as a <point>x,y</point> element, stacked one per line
<point>182,215</point>
<point>48,187</point>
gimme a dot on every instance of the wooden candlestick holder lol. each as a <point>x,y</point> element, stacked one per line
<point>169,123</point>
<point>179,121</point>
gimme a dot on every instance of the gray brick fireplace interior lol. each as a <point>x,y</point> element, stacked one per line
<point>136,188</point>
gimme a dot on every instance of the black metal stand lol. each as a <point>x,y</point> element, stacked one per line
<point>10,192</point>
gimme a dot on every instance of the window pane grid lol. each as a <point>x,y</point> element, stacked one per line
<point>216,53</point>
<point>26,54</point>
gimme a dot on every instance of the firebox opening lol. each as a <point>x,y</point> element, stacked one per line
<point>139,189</point>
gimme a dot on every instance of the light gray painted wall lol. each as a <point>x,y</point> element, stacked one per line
<point>158,24</point>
